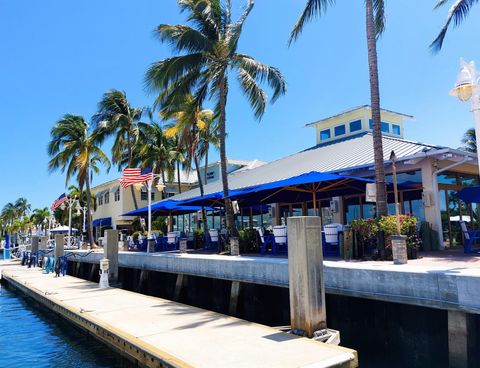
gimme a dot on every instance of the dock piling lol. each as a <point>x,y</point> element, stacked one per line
<point>305,269</point>
<point>110,250</point>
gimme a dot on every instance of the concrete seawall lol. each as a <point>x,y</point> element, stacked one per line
<point>456,289</point>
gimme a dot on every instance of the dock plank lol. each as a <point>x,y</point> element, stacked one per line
<point>174,334</point>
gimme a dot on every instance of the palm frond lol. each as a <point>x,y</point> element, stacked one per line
<point>314,8</point>
<point>183,38</point>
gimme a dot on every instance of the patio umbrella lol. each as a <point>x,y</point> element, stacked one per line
<point>310,186</point>
<point>470,194</point>
<point>168,207</point>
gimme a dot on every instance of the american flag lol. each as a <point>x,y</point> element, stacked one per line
<point>58,202</point>
<point>133,176</point>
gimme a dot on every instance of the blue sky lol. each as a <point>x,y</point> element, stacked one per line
<point>59,57</point>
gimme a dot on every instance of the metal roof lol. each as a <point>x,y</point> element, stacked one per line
<point>351,152</point>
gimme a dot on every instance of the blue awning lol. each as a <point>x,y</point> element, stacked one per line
<point>166,208</point>
<point>102,222</point>
<point>470,194</point>
<point>298,188</point>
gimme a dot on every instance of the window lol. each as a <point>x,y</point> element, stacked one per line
<point>116,195</point>
<point>396,129</point>
<point>107,198</point>
<point>210,175</point>
<point>100,200</point>
<point>385,127</point>
<point>355,126</point>
<point>325,134</point>
<point>339,130</point>
<point>144,195</point>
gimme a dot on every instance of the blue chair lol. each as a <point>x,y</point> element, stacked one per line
<point>173,238</point>
<point>280,239</point>
<point>470,237</point>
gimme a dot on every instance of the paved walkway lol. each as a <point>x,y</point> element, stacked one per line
<point>180,335</point>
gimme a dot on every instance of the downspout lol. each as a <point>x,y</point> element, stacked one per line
<point>438,218</point>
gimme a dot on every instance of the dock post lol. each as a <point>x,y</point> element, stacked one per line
<point>305,269</point>
<point>42,244</point>
<point>34,252</point>
<point>461,339</point>
<point>59,246</point>
<point>234,293</point>
<point>178,287</point>
<point>110,251</point>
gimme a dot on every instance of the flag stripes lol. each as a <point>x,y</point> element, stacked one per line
<point>135,175</point>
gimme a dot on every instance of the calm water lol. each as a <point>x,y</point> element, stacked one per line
<point>33,337</point>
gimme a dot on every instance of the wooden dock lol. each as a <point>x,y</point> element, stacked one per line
<point>160,333</point>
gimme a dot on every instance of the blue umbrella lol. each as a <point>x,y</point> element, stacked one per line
<point>168,207</point>
<point>470,194</point>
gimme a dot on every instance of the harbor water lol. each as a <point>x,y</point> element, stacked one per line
<point>32,336</point>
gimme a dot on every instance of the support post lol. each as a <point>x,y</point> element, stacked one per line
<point>35,244</point>
<point>234,293</point>
<point>42,244</point>
<point>178,287</point>
<point>234,246</point>
<point>462,339</point>
<point>110,251</point>
<point>305,269</point>
<point>59,246</point>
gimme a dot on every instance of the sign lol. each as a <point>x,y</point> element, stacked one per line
<point>371,193</point>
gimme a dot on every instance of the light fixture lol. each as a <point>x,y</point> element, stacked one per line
<point>138,186</point>
<point>466,82</point>
<point>78,212</point>
<point>62,206</point>
<point>160,187</point>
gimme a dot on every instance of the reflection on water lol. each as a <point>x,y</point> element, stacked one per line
<point>32,337</point>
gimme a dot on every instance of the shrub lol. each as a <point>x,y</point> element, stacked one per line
<point>365,229</point>
<point>248,240</point>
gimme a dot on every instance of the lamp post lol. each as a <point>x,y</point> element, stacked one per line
<point>466,88</point>
<point>82,210</point>
<point>160,187</point>
<point>70,203</point>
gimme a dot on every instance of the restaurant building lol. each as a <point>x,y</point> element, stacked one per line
<point>428,175</point>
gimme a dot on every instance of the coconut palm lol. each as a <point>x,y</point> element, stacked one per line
<point>75,150</point>
<point>22,207</point>
<point>155,150</point>
<point>9,213</point>
<point>39,215</point>
<point>116,117</point>
<point>375,25</point>
<point>469,141</point>
<point>457,13</point>
<point>207,56</point>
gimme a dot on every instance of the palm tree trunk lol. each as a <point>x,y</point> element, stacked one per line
<point>206,163</point>
<point>382,208</point>
<point>178,177</point>
<point>230,221</point>
<point>89,216</point>
<point>200,185</point>
<point>129,152</point>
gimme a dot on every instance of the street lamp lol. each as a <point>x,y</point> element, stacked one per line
<point>70,203</point>
<point>466,88</point>
<point>81,210</point>
<point>148,184</point>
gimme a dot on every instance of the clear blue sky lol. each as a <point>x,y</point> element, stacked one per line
<point>59,57</point>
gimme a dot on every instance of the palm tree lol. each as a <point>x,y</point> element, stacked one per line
<point>22,207</point>
<point>155,150</point>
<point>39,215</point>
<point>9,213</point>
<point>76,151</point>
<point>207,56</point>
<point>375,25</point>
<point>116,117</point>
<point>469,141</point>
<point>208,136</point>
<point>457,13</point>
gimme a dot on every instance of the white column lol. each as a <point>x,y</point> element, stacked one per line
<point>430,185</point>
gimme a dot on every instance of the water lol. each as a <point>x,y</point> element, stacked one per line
<point>33,337</point>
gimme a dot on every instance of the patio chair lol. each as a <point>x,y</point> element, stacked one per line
<point>470,237</point>
<point>280,240</point>
<point>213,239</point>
<point>266,240</point>
<point>331,243</point>
<point>173,238</point>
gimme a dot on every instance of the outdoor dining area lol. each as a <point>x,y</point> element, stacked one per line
<point>264,237</point>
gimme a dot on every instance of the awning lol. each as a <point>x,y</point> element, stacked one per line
<point>102,192</point>
<point>167,207</point>
<point>62,229</point>
<point>114,188</point>
<point>470,194</point>
<point>306,187</point>
<point>102,222</point>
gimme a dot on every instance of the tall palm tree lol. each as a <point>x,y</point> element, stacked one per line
<point>22,207</point>
<point>116,117</point>
<point>207,56</point>
<point>208,136</point>
<point>9,213</point>
<point>39,215</point>
<point>457,13</point>
<point>469,141</point>
<point>75,150</point>
<point>375,25</point>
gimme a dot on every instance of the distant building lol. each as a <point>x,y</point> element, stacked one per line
<point>111,200</point>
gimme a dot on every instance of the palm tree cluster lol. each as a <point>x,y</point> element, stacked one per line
<point>205,58</point>
<point>17,217</point>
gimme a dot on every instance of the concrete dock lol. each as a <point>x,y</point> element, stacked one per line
<point>161,333</point>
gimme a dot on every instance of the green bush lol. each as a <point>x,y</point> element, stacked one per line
<point>248,241</point>
<point>365,229</point>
